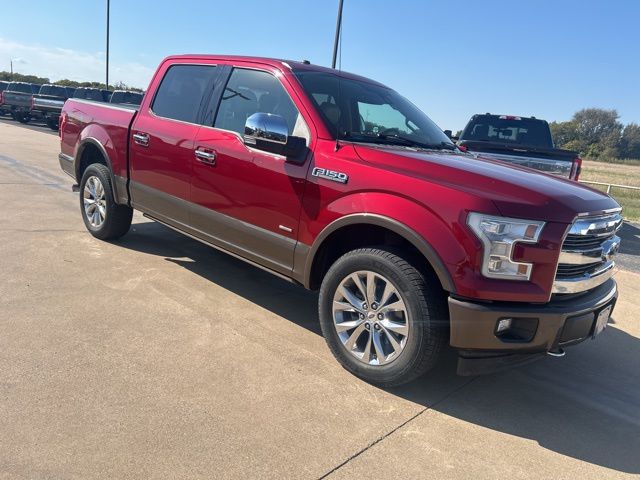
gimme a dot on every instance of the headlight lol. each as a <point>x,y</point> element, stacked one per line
<point>498,236</point>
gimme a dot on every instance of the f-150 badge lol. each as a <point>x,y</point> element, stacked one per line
<point>330,175</point>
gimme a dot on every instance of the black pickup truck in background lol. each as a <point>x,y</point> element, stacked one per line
<point>47,104</point>
<point>3,87</point>
<point>16,100</point>
<point>525,141</point>
<point>95,94</point>
<point>126,97</point>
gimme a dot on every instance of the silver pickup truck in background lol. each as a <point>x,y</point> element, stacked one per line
<point>525,141</point>
<point>47,104</point>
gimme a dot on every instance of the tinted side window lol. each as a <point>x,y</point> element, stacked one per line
<point>181,90</point>
<point>251,91</point>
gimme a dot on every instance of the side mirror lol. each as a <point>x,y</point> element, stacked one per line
<point>448,133</point>
<point>270,133</point>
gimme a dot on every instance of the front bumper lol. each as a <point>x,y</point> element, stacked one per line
<point>538,328</point>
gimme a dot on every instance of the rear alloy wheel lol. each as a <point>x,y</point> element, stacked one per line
<point>104,218</point>
<point>95,204</point>
<point>383,319</point>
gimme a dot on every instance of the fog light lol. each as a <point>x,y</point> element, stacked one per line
<point>503,324</point>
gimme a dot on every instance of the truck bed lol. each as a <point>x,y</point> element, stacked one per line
<point>106,124</point>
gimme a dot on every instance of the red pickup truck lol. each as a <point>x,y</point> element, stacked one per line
<point>339,184</point>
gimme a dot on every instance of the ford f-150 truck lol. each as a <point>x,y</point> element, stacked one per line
<point>520,140</point>
<point>16,100</point>
<point>47,103</point>
<point>339,184</point>
<point>3,87</point>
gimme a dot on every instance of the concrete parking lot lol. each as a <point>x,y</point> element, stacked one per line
<point>158,357</point>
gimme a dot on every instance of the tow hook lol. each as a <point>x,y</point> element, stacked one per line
<point>75,188</point>
<point>557,353</point>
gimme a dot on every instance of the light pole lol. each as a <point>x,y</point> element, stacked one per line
<point>107,70</point>
<point>338,32</point>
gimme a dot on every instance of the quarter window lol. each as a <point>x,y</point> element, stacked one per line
<point>181,91</point>
<point>251,91</point>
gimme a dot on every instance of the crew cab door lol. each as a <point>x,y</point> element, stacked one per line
<point>248,200</point>
<point>162,141</point>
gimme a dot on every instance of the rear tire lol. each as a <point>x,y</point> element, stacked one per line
<point>52,124</point>
<point>404,315</point>
<point>23,118</point>
<point>103,217</point>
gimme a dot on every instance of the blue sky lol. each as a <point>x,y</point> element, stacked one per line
<point>453,59</point>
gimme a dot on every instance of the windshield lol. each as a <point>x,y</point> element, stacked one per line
<point>53,90</point>
<point>126,97</point>
<point>20,87</point>
<point>509,130</point>
<point>365,112</point>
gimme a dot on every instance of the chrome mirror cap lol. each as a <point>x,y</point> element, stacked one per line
<point>266,127</point>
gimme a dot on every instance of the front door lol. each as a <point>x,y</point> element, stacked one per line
<point>246,200</point>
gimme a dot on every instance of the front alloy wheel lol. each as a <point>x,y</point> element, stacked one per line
<point>370,317</point>
<point>383,319</point>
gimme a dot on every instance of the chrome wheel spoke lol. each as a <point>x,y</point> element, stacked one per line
<point>387,294</point>
<point>393,307</point>
<point>377,345</point>
<point>392,340</point>
<point>395,327</point>
<point>353,338</point>
<point>366,353</point>
<point>370,317</point>
<point>348,325</point>
<point>359,285</point>
<point>350,297</point>
<point>371,288</point>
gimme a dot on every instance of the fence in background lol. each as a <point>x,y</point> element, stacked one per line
<point>609,185</point>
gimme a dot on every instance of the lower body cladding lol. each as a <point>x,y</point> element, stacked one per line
<point>492,336</point>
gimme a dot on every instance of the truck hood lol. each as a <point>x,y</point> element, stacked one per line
<point>515,191</point>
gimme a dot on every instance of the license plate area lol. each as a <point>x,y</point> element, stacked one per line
<point>602,319</point>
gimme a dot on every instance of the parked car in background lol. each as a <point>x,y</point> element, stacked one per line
<point>524,141</point>
<point>95,94</point>
<point>3,87</point>
<point>126,97</point>
<point>17,100</point>
<point>47,103</point>
<point>411,243</point>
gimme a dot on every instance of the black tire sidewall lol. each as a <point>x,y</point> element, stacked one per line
<point>415,303</point>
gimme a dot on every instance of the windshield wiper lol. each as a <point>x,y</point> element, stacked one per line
<point>394,139</point>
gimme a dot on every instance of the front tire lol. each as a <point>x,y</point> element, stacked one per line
<point>383,319</point>
<point>103,217</point>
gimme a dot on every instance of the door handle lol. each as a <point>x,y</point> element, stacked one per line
<point>141,139</point>
<point>208,158</point>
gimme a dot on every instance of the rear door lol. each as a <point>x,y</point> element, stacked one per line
<point>247,200</point>
<point>162,139</point>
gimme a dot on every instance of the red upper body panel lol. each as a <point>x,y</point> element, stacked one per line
<point>430,192</point>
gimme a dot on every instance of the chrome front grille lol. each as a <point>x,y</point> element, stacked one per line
<point>586,260</point>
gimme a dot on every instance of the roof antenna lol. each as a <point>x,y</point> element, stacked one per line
<point>338,43</point>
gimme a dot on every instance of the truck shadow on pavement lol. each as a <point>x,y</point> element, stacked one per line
<point>585,406</point>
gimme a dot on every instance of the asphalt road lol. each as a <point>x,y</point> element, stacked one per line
<point>157,357</point>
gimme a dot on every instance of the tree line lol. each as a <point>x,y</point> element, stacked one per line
<point>65,82</point>
<point>598,134</point>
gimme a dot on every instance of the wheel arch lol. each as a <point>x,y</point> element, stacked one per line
<point>89,151</point>
<point>316,258</point>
